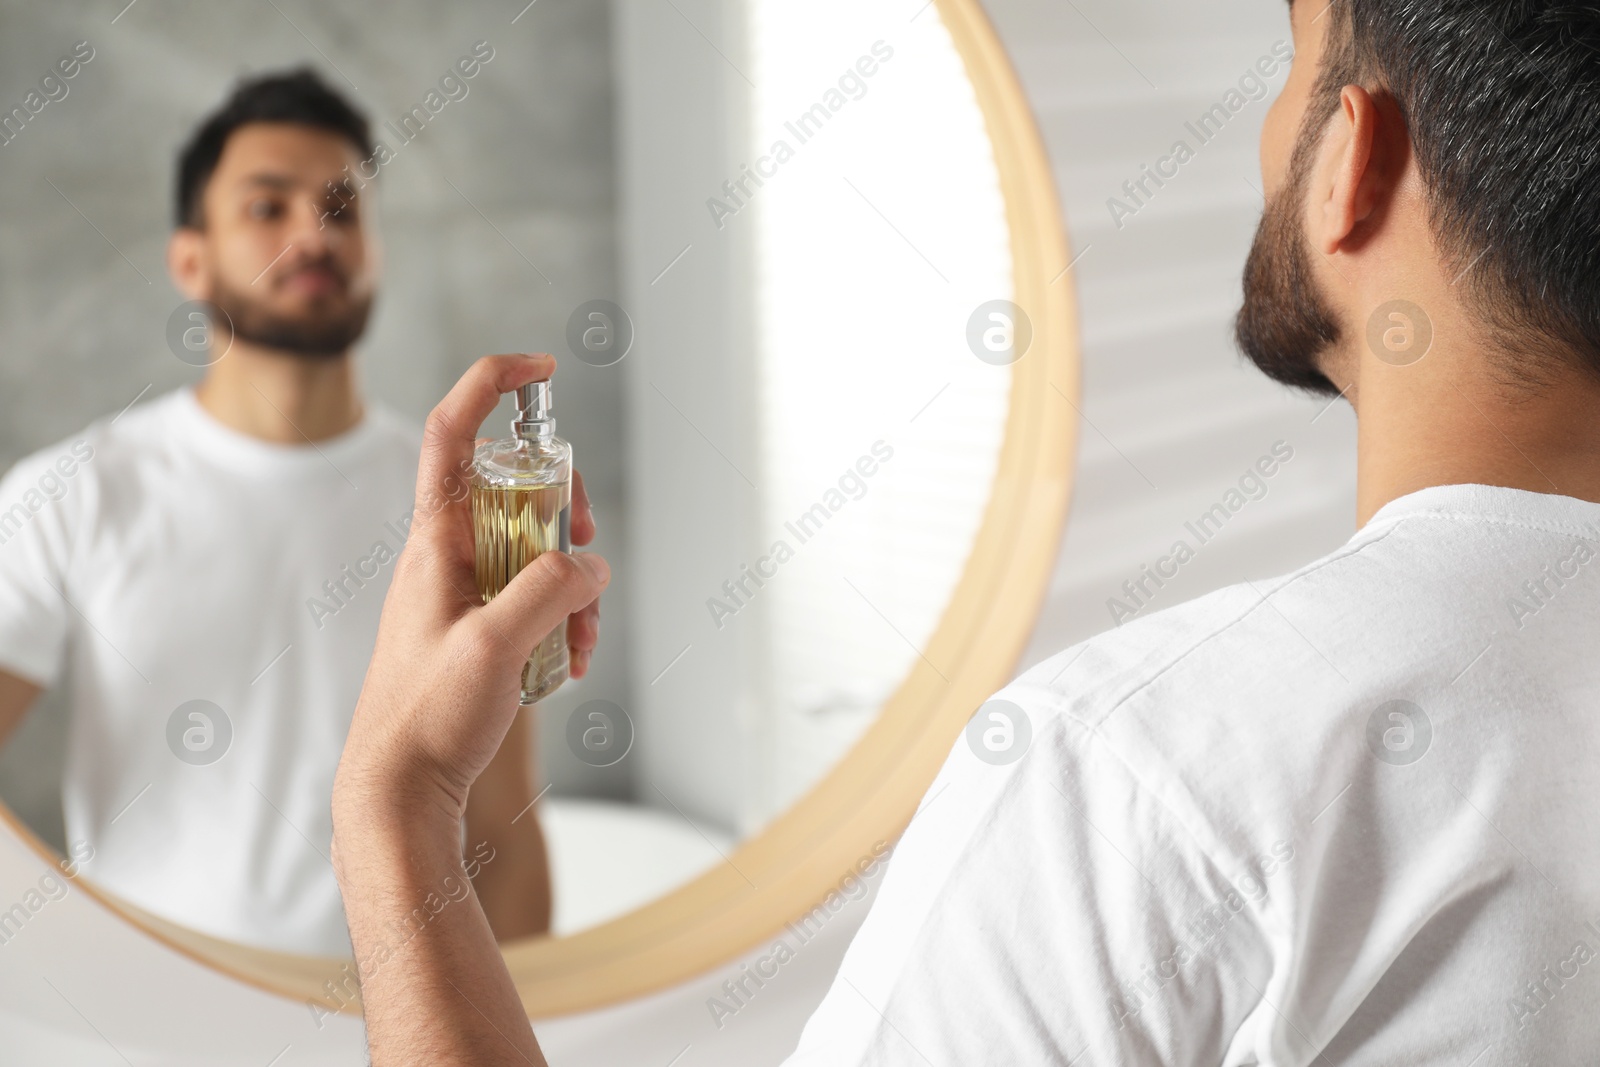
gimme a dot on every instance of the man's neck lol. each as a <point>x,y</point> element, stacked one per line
<point>279,397</point>
<point>1453,424</point>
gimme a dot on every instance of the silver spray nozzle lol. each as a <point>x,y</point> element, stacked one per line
<point>533,411</point>
<point>533,401</point>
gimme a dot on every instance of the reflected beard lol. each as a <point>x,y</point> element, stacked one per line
<point>313,337</point>
<point>1286,324</point>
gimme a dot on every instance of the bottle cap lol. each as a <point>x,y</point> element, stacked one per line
<point>533,401</point>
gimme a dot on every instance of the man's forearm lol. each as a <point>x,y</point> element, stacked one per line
<point>433,983</point>
<point>515,889</point>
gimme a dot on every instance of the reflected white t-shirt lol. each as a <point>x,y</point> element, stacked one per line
<point>1348,816</point>
<point>161,558</point>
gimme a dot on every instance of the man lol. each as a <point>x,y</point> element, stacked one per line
<point>207,582</point>
<point>1343,816</point>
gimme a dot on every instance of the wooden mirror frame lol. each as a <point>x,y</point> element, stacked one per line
<point>865,801</point>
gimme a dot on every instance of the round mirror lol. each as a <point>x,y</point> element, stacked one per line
<point>805,275</point>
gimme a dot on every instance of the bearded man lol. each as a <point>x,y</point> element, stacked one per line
<point>207,581</point>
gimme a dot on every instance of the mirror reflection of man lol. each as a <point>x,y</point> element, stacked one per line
<point>206,581</point>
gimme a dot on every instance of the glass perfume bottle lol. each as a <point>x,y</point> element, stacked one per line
<point>521,507</point>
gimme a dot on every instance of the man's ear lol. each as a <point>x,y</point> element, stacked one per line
<point>187,262</point>
<point>1359,175</point>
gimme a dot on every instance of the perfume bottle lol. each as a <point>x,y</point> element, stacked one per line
<point>521,507</point>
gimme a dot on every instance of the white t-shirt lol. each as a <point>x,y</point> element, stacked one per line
<point>160,558</point>
<point>1227,844</point>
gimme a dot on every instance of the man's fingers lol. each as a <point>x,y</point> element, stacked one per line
<point>583,634</point>
<point>555,586</point>
<point>451,431</point>
<point>582,512</point>
<point>583,627</point>
<point>546,591</point>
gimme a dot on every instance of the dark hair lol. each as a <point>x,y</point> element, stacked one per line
<point>1501,99</point>
<point>297,96</point>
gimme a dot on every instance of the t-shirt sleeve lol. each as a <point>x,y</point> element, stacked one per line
<point>1052,911</point>
<point>35,541</point>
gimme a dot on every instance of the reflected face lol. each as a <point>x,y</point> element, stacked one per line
<point>1287,325</point>
<point>292,264</point>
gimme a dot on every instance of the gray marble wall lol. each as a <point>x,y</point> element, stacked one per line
<point>498,220</point>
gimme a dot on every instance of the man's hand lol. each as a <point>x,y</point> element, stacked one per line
<point>583,628</point>
<point>440,694</point>
<point>442,687</point>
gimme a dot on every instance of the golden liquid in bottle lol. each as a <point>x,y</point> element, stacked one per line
<point>512,525</point>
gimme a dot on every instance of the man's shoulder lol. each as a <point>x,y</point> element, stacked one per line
<point>1245,689</point>
<point>1253,627</point>
<point>1234,706</point>
<point>1399,605</point>
<point>77,456</point>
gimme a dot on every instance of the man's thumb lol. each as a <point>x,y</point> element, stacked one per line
<point>544,593</point>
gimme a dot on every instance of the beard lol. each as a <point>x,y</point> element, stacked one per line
<point>1286,325</point>
<point>320,335</point>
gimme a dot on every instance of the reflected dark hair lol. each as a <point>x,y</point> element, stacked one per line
<point>1502,102</point>
<point>297,96</point>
